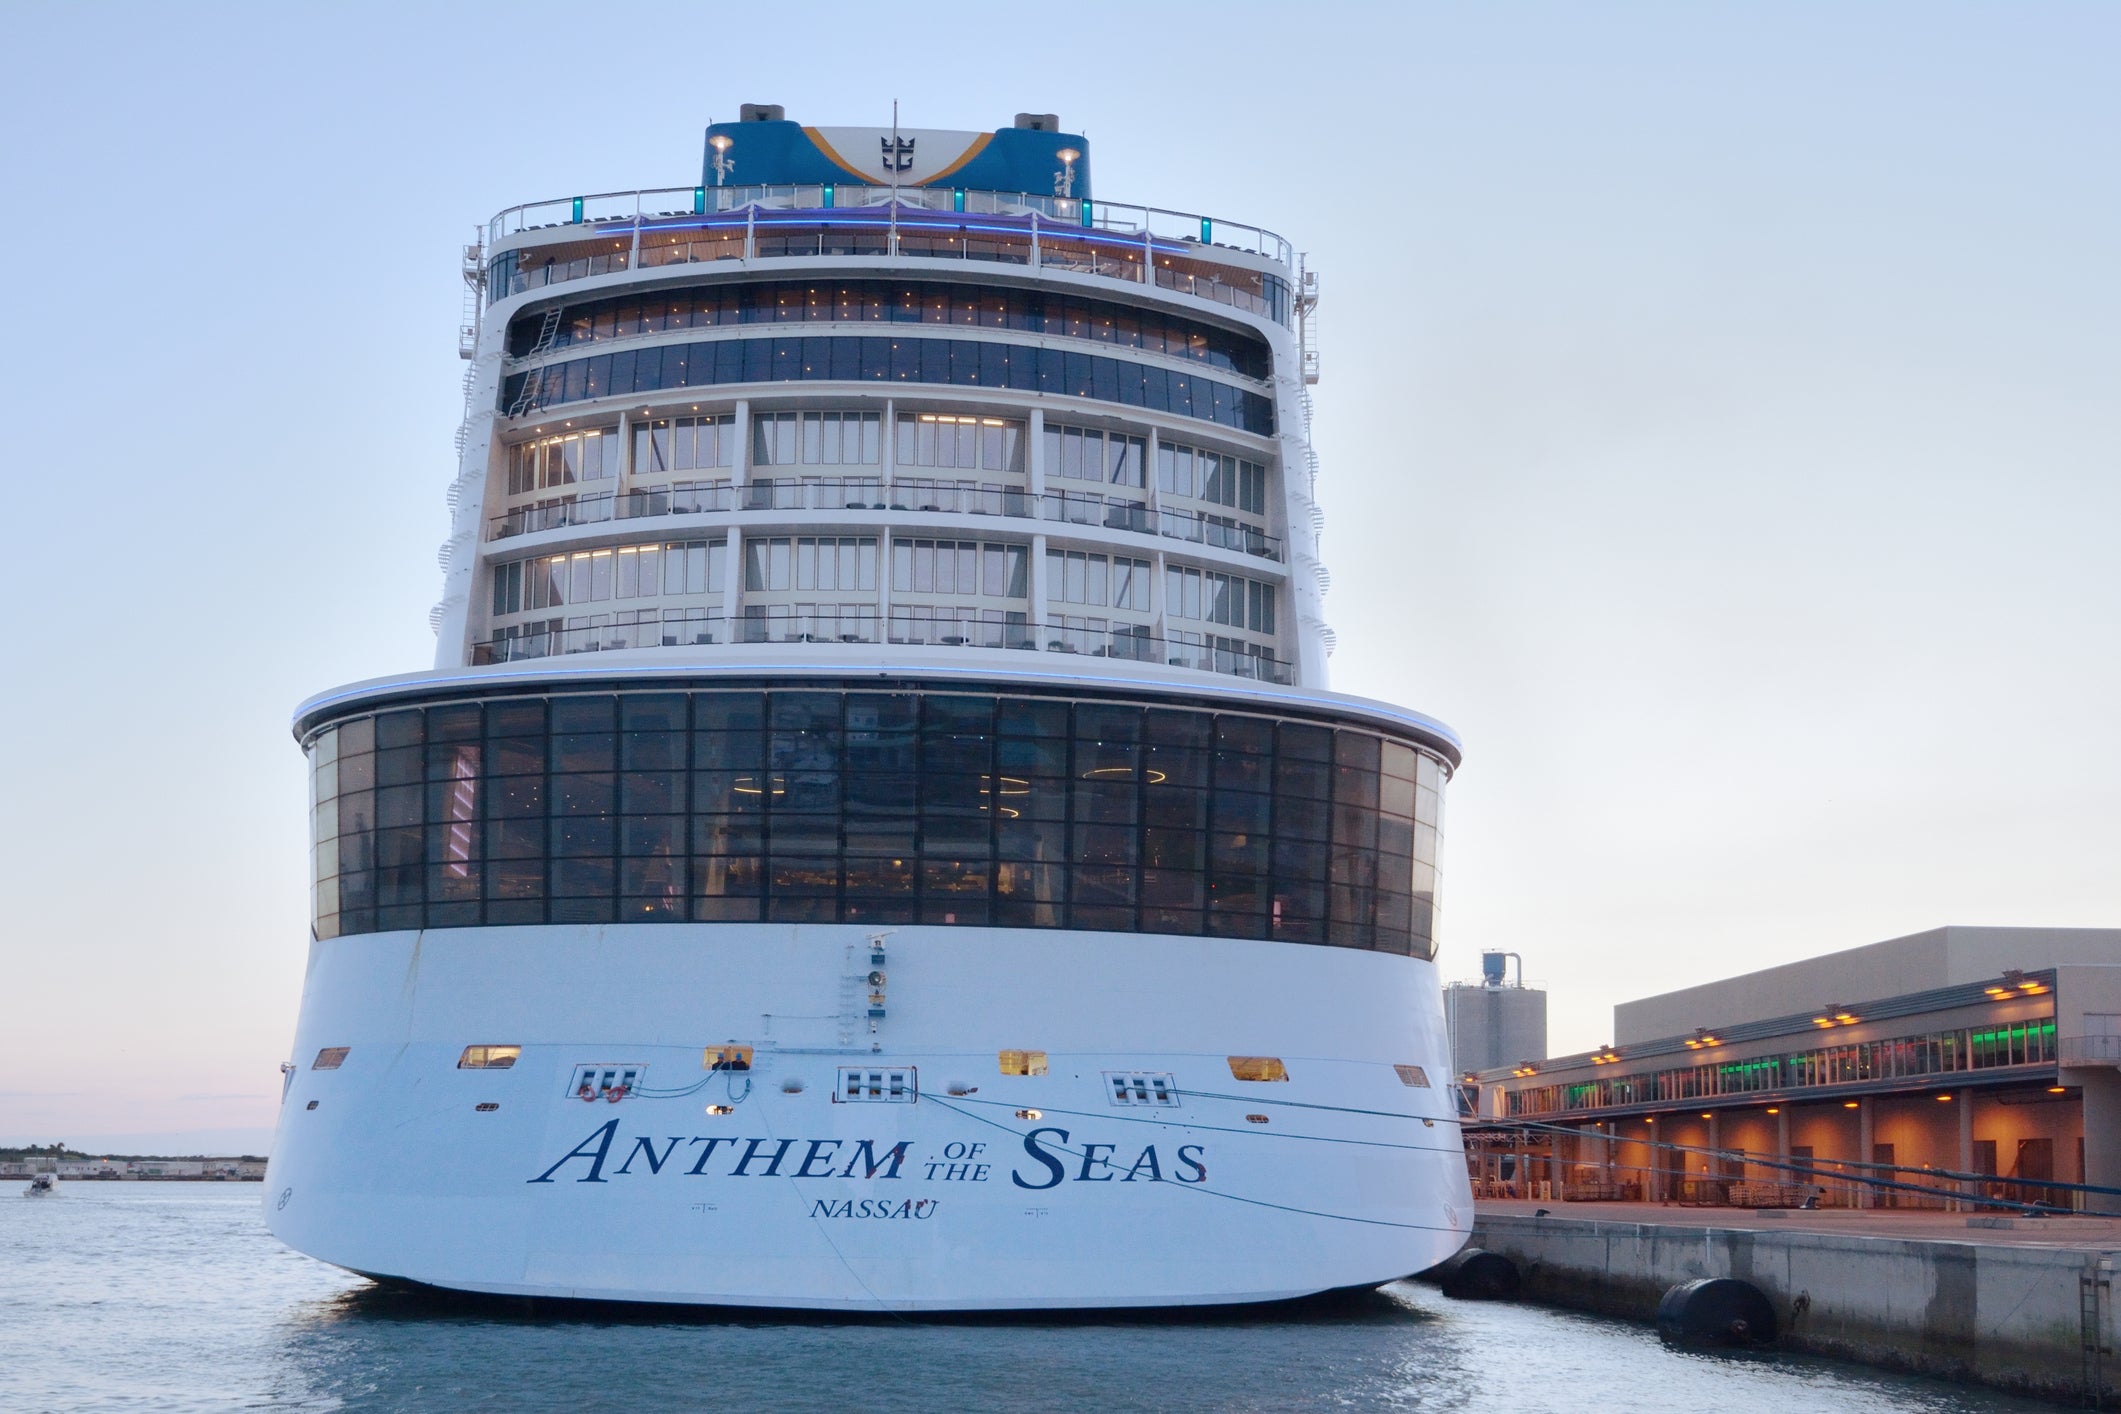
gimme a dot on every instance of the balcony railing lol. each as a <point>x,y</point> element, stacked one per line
<point>665,204</point>
<point>618,232</point>
<point>2089,1050</point>
<point>909,494</point>
<point>806,623</point>
<point>549,642</point>
<point>909,625</point>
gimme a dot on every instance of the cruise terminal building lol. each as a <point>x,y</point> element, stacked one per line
<point>1972,1051</point>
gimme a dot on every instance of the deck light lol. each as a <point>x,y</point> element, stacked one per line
<point>1852,1104</point>
<point>1706,1115</point>
<point>1064,179</point>
<point>722,165</point>
<point>2058,1089</point>
<point>1942,1099</point>
<point>1774,1109</point>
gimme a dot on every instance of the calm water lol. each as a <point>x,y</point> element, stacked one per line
<point>171,1296</point>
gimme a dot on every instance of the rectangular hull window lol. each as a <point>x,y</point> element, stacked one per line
<point>1135,1088</point>
<point>1258,1068</point>
<point>861,1085</point>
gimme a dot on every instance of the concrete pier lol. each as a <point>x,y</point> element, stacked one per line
<point>2018,1304</point>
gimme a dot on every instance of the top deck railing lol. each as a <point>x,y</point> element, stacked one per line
<point>1195,233</point>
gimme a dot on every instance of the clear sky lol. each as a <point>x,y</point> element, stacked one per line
<point>1719,430</point>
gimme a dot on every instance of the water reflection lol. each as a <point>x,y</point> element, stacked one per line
<point>172,1297</point>
<point>1401,1348</point>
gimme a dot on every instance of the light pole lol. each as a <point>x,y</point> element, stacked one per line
<point>721,164</point>
<point>1064,179</point>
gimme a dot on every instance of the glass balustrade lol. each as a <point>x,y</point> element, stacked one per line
<point>916,495</point>
<point>1117,241</point>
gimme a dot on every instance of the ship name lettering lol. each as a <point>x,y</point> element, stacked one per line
<point>752,1158</point>
<point>700,1165</point>
<point>865,1155</point>
<point>958,1173</point>
<point>643,1148</point>
<point>751,1150</point>
<point>911,1209</point>
<point>602,1140</point>
<point>1054,1161</point>
<point>819,1149</point>
<point>1148,1164</point>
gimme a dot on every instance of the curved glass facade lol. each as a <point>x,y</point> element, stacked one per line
<point>967,363</point>
<point>918,805</point>
<point>929,302</point>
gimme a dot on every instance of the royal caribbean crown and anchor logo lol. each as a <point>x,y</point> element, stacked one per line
<point>776,152</point>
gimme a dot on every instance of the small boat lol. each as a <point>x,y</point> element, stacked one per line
<point>42,1185</point>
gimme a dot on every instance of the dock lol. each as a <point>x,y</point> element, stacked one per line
<point>2019,1303</point>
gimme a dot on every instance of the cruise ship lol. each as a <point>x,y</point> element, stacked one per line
<point>876,835</point>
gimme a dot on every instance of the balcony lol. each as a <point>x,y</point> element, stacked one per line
<point>907,626</point>
<point>2089,1050</point>
<point>867,494</point>
<point>549,641</point>
<point>619,231</point>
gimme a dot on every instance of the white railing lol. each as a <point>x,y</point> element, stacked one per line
<point>851,493</point>
<point>2089,1050</point>
<point>934,626</point>
<point>630,208</point>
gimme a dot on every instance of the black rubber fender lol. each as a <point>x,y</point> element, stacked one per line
<point>1476,1274</point>
<point>1716,1311</point>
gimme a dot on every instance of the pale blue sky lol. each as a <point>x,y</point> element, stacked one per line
<point>1719,430</point>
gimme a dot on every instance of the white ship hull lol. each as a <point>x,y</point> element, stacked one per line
<point>398,1164</point>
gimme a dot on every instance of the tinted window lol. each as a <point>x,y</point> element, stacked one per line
<point>830,806</point>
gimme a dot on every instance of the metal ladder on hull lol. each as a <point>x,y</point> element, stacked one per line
<point>533,388</point>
